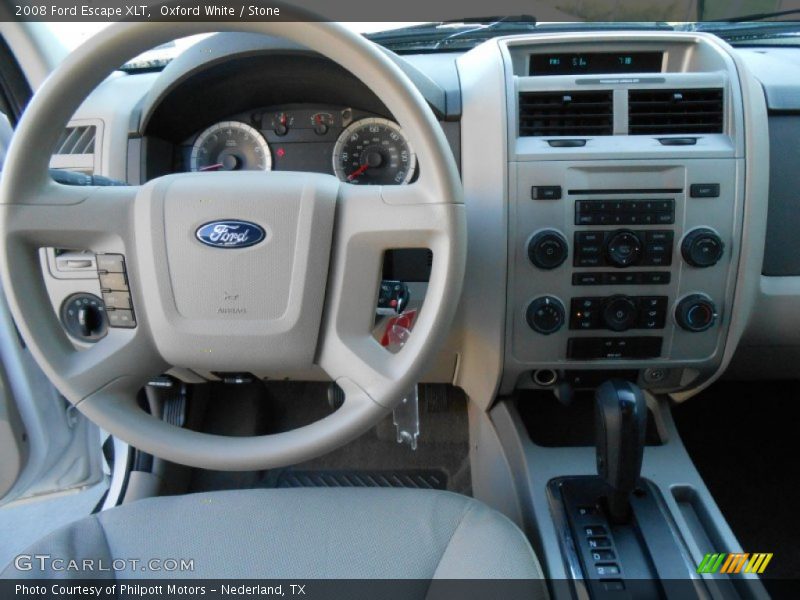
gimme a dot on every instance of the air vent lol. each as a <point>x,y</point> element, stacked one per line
<point>77,140</point>
<point>566,113</point>
<point>675,111</point>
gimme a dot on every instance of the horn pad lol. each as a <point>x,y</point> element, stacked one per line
<point>234,267</point>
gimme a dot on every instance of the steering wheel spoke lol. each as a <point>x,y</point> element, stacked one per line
<point>76,218</point>
<point>65,216</point>
<point>370,221</point>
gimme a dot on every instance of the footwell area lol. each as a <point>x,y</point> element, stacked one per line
<point>743,439</point>
<point>441,460</point>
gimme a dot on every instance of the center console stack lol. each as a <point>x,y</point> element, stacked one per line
<point>625,207</point>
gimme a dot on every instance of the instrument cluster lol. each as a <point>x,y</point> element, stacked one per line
<point>356,146</point>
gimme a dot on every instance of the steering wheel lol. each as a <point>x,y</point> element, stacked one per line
<point>305,295</point>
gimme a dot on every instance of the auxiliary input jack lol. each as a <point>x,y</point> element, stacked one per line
<point>545,377</point>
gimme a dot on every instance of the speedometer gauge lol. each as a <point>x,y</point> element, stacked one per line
<point>230,146</point>
<point>374,152</point>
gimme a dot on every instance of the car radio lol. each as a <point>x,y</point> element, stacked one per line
<point>619,261</point>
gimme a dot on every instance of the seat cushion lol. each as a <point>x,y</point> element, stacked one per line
<point>299,533</point>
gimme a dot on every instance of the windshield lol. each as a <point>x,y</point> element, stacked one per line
<point>778,21</point>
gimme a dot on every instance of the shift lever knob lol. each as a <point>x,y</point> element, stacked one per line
<point>620,421</point>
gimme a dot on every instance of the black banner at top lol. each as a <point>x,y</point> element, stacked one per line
<point>391,11</point>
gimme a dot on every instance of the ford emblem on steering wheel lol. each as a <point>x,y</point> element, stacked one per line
<point>230,234</point>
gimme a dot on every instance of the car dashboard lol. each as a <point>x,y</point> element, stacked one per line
<point>617,187</point>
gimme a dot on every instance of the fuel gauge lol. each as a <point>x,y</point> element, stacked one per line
<point>321,122</point>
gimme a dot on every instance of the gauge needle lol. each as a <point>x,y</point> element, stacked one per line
<point>213,167</point>
<point>357,172</point>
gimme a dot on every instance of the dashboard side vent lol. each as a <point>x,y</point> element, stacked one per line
<point>587,113</point>
<point>77,140</point>
<point>675,111</point>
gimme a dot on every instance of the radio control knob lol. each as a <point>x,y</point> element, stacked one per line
<point>623,248</point>
<point>548,249</point>
<point>702,248</point>
<point>696,313</point>
<point>620,313</point>
<point>545,315</point>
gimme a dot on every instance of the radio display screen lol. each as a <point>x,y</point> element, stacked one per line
<point>597,63</point>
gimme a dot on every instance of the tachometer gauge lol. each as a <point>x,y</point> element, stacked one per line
<point>374,152</point>
<point>230,146</point>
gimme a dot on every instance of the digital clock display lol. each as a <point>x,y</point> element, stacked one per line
<point>597,63</point>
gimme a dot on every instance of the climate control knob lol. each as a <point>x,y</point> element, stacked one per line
<point>548,249</point>
<point>702,247</point>
<point>696,313</point>
<point>620,313</point>
<point>623,248</point>
<point>545,315</point>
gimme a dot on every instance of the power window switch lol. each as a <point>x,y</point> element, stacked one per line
<point>111,263</point>
<point>114,282</point>
<point>121,318</point>
<point>117,300</point>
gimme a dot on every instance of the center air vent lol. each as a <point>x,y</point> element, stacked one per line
<point>566,113</point>
<point>675,111</point>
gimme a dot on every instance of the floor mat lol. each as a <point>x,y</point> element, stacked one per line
<point>743,439</point>
<point>415,479</point>
<point>263,408</point>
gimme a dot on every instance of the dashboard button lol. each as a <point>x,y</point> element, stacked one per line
<point>114,282</point>
<point>587,279</point>
<point>111,263</point>
<point>589,261</point>
<point>588,237</point>
<point>546,192</point>
<point>545,315</point>
<point>620,313</point>
<point>117,300</point>
<point>704,190</point>
<point>702,248</point>
<point>623,248</point>
<point>696,313</point>
<point>656,277</point>
<point>664,218</point>
<point>121,318</point>
<point>654,237</point>
<point>548,249</point>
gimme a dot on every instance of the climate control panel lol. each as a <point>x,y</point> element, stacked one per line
<point>618,313</point>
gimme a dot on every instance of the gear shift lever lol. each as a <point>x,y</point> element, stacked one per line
<point>620,421</point>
